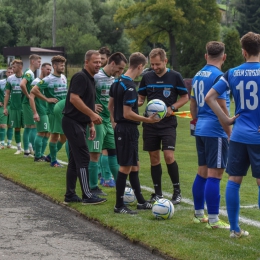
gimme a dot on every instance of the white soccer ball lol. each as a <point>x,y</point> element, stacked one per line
<point>163,209</point>
<point>129,196</point>
<point>156,106</point>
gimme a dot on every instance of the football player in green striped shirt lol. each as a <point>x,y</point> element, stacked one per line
<point>15,112</point>
<point>29,132</point>
<point>39,108</point>
<point>3,117</point>
<point>55,87</point>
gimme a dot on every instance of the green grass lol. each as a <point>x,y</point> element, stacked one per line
<point>178,237</point>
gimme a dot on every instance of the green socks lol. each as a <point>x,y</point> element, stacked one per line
<point>53,151</point>
<point>106,174</point>
<point>2,135</point>
<point>38,146</point>
<point>32,137</point>
<point>113,165</point>
<point>93,174</point>
<point>26,134</point>
<point>44,144</point>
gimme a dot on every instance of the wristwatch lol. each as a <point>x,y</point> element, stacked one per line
<point>173,108</point>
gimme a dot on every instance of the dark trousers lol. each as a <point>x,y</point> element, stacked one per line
<point>78,159</point>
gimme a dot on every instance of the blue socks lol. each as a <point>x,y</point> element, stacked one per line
<point>232,201</point>
<point>198,192</point>
<point>212,195</point>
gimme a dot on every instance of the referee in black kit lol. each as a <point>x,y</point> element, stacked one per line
<point>78,113</point>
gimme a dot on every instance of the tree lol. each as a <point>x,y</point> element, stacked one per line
<point>233,49</point>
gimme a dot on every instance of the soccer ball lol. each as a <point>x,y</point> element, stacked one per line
<point>156,105</point>
<point>129,196</point>
<point>163,209</point>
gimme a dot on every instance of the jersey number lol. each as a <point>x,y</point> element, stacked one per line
<point>246,102</point>
<point>199,95</point>
<point>45,126</point>
<point>96,145</point>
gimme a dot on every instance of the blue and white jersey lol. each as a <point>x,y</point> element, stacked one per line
<point>244,83</point>
<point>208,123</point>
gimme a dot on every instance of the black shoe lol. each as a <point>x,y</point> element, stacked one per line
<point>74,198</point>
<point>93,200</point>
<point>176,197</point>
<point>40,159</point>
<point>155,197</point>
<point>47,158</point>
<point>98,191</point>
<point>124,210</point>
<point>146,205</point>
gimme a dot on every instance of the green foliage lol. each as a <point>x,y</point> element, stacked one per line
<point>233,49</point>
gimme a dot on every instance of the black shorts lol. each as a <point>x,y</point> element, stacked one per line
<point>126,138</point>
<point>153,138</point>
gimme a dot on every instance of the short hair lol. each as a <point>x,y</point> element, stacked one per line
<point>136,59</point>
<point>45,64</point>
<point>34,57</point>
<point>57,59</point>
<point>215,49</point>
<point>17,61</point>
<point>117,57</point>
<point>158,52</point>
<point>104,50</point>
<point>89,54</point>
<point>250,42</point>
<point>9,68</point>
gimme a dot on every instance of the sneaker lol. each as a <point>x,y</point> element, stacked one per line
<point>98,191</point>
<point>9,145</point>
<point>93,200</point>
<point>31,150</point>
<point>146,205</point>
<point>18,152</point>
<point>198,220</point>
<point>155,197</point>
<point>242,233</point>
<point>176,197</point>
<point>27,155</point>
<point>40,159</point>
<point>48,158</point>
<point>55,164</point>
<point>2,146</point>
<point>74,198</point>
<point>218,224</point>
<point>101,181</point>
<point>124,210</point>
<point>109,183</point>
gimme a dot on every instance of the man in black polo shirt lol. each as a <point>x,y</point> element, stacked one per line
<point>123,107</point>
<point>166,85</point>
<point>78,113</point>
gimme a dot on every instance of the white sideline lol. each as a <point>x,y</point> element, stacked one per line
<point>223,212</point>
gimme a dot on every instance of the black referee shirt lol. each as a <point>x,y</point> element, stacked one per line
<point>123,90</point>
<point>82,84</point>
<point>166,88</point>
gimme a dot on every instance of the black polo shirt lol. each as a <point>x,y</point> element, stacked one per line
<point>123,90</point>
<point>166,88</point>
<point>82,84</point>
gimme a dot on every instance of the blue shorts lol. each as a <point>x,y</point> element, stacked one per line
<point>212,151</point>
<point>241,156</point>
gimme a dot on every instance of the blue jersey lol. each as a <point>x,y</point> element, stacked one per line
<point>244,83</point>
<point>208,123</point>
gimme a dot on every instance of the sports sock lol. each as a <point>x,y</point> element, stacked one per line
<point>44,144</point>
<point>67,149</point>
<point>106,174</point>
<point>38,146</point>
<point>32,137</point>
<point>212,197</point>
<point>59,145</point>
<point>99,164</point>
<point>120,189</point>
<point>9,134</point>
<point>2,135</point>
<point>53,151</point>
<point>26,134</point>
<point>113,165</point>
<point>259,197</point>
<point>233,204</point>
<point>173,171</point>
<point>93,174</point>
<point>17,136</point>
<point>135,183</point>
<point>156,173</point>
<point>198,189</point>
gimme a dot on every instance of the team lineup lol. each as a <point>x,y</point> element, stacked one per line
<point>97,117</point>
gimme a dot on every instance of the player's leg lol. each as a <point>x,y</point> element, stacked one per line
<point>78,161</point>
<point>16,121</point>
<point>198,187</point>
<point>44,143</point>
<point>151,143</point>
<point>32,137</point>
<point>9,136</point>
<point>3,123</point>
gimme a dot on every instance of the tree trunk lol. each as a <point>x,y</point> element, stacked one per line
<point>173,52</point>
